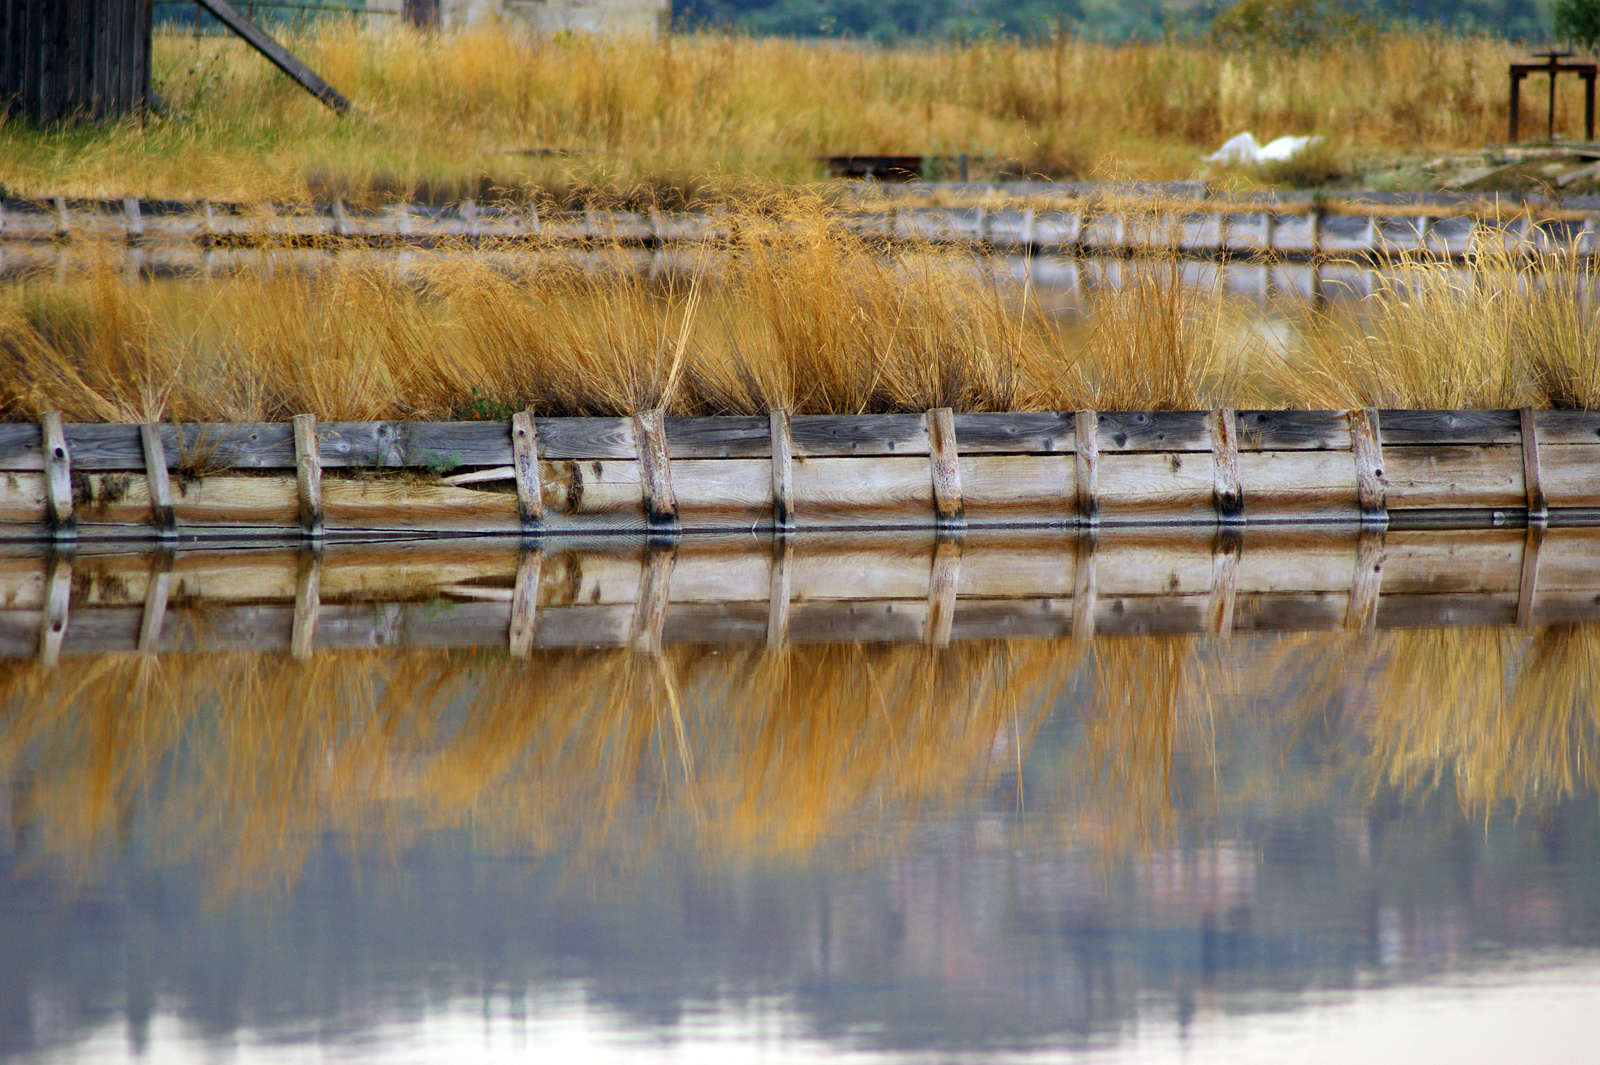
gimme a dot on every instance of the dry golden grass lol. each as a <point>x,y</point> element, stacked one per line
<point>1502,333</point>
<point>800,314</point>
<point>463,114</point>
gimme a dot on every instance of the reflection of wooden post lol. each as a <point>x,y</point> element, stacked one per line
<point>1528,582</point>
<point>57,598</point>
<point>525,603</point>
<point>779,591</point>
<point>155,604</point>
<point>1367,583</point>
<point>650,611</point>
<point>1083,589</point>
<point>307,606</point>
<point>1225,552</point>
<point>943,582</point>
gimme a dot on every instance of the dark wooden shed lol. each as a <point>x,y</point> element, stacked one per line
<point>63,59</point>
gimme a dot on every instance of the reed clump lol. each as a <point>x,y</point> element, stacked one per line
<point>487,112</point>
<point>1504,332</point>
<point>799,313</point>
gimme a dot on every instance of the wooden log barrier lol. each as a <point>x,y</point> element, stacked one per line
<point>889,586</point>
<point>575,476</point>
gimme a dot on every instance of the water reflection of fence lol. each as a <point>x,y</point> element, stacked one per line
<point>883,588</point>
<point>1376,232</point>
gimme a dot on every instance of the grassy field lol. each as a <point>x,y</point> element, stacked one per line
<point>485,113</point>
<point>800,314</point>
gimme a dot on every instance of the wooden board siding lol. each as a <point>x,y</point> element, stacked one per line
<point>581,475</point>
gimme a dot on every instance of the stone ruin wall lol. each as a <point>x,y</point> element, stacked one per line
<point>554,16</point>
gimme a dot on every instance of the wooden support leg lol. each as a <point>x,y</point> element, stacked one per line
<point>945,467</point>
<point>525,468</point>
<point>783,519</point>
<point>1226,494</point>
<point>655,472</point>
<point>1367,451</point>
<point>308,474</point>
<point>160,484</point>
<point>1086,443</point>
<point>1538,509</point>
<point>58,475</point>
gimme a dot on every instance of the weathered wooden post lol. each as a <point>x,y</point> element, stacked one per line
<point>68,59</point>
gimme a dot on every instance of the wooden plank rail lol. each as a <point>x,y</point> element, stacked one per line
<point>674,476</point>
<point>1198,229</point>
<point>927,587</point>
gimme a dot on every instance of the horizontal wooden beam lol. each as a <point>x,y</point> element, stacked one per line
<point>572,475</point>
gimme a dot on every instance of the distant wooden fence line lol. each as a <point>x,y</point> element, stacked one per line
<point>1199,230</point>
<point>670,476</point>
<point>900,587</point>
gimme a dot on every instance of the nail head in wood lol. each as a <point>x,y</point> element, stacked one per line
<point>945,465</point>
<point>308,473</point>
<point>525,467</point>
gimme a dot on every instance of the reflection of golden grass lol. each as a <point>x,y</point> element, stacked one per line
<point>249,759</point>
<point>1509,717</point>
<point>244,762</point>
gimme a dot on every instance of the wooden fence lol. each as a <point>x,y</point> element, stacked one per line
<point>1197,229</point>
<point>666,476</point>
<point>895,587</point>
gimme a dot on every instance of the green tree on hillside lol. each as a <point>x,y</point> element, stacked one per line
<point>1577,21</point>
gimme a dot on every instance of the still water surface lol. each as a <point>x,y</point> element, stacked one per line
<point>1305,846</point>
